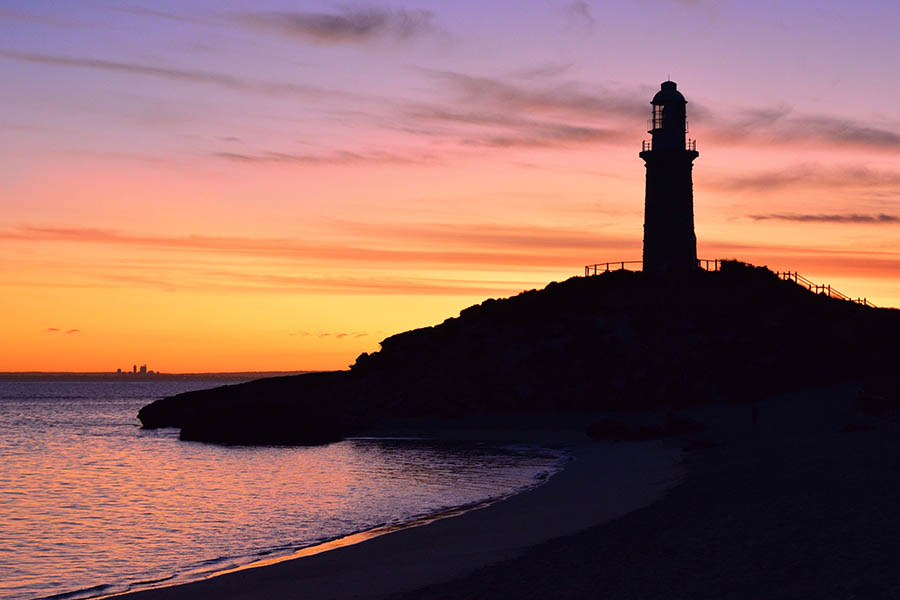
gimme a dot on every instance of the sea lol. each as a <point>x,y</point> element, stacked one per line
<point>92,505</point>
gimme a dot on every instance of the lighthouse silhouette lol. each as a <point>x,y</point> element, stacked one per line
<point>670,246</point>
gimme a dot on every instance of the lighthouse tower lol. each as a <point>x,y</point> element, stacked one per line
<point>670,246</point>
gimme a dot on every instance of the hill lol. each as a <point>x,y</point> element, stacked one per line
<point>620,341</point>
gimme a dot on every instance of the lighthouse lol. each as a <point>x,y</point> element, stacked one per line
<point>670,246</point>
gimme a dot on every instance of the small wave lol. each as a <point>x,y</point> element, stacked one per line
<point>83,593</point>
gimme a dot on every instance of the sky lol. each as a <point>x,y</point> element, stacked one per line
<point>268,185</point>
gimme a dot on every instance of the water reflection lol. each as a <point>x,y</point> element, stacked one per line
<point>88,499</point>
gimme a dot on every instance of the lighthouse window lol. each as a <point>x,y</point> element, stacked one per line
<point>657,116</point>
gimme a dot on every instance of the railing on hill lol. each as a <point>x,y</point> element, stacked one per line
<point>820,289</point>
<point>619,265</point>
<point>711,264</point>
<point>716,264</point>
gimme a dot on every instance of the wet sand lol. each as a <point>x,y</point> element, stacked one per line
<point>602,482</point>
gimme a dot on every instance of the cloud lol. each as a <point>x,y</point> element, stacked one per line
<point>579,13</point>
<point>547,71</point>
<point>762,117</point>
<point>32,18</point>
<point>334,158</point>
<point>490,235</point>
<point>783,124</point>
<point>879,219</point>
<point>70,331</point>
<point>51,329</point>
<point>347,26</point>
<point>562,99</point>
<point>496,129</point>
<point>159,14</point>
<point>355,258</point>
<point>809,176</point>
<point>507,112</point>
<point>844,131</point>
<point>339,336</point>
<point>222,80</point>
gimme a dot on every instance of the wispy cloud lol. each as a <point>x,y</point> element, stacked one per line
<point>159,14</point>
<point>877,219</point>
<point>346,26</point>
<point>579,14</point>
<point>52,329</point>
<point>547,71</point>
<point>71,331</point>
<point>529,110</point>
<point>497,129</point>
<point>222,80</point>
<point>24,17</point>
<point>809,176</point>
<point>565,98</point>
<point>844,131</point>
<point>781,123</point>
<point>489,235</point>
<point>499,246</point>
<point>333,158</point>
<point>325,334</point>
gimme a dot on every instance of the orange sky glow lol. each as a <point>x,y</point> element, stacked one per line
<point>256,196</point>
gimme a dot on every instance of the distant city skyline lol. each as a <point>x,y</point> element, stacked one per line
<point>226,186</point>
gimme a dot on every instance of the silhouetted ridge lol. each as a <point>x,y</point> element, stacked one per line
<point>618,341</point>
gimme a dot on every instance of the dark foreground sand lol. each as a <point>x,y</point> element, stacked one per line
<point>796,509</point>
<point>791,507</point>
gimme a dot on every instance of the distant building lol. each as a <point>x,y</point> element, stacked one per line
<point>143,369</point>
<point>134,368</point>
<point>119,371</point>
<point>670,245</point>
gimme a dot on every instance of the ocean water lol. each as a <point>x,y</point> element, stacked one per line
<point>90,504</point>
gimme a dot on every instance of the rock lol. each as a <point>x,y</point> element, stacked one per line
<point>268,427</point>
<point>617,342</point>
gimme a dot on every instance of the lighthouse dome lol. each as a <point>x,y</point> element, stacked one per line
<point>668,94</point>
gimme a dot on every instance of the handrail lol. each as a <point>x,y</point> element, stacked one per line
<point>689,145</point>
<point>610,266</point>
<point>715,264</point>
<point>708,264</point>
<point>820,288</point>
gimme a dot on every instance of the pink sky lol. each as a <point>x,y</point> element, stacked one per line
<point>280,185</point>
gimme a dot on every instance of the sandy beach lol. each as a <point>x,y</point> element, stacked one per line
<point>792,508</point>
<point>794,505</point>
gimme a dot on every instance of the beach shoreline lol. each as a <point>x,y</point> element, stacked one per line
<point>794,496</point>
<point>329,545</point>
<point>597,484</point>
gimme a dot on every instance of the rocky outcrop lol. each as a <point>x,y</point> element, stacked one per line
<point>621,341</point>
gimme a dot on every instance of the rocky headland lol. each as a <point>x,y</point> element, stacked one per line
<point>620,342</point>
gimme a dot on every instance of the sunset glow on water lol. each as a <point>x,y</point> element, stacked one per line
<point>90,504</point>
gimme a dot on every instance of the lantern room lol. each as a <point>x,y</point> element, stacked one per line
<point>668,126</point>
